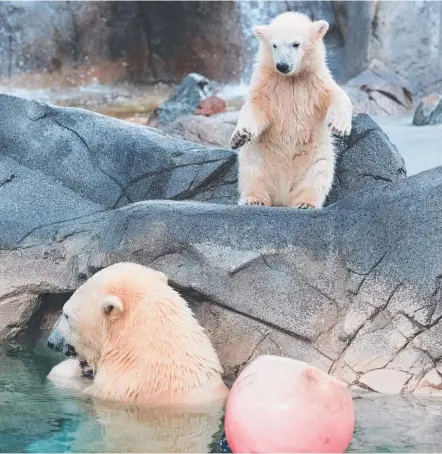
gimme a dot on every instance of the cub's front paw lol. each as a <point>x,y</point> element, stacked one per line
<point>339,121</point>
<point>240,137</point>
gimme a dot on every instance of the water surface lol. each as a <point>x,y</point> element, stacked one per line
<point>36,416</point>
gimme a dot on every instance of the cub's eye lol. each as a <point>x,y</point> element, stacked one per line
<point>65,316</point>
<point>295,45</point>
<point>274,46</point>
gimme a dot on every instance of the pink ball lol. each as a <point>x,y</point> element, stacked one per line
<point>282,405</point>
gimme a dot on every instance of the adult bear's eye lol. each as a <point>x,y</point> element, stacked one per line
<point>65,316</point>
<point>295,45</point>
<point>274,46</point>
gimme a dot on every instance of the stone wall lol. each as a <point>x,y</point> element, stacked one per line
<point>43,43</point>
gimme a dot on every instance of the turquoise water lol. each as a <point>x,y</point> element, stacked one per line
<point>36,416</point>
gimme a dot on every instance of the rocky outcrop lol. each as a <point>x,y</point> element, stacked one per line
<point>353,288</point>
<point>210,131</point>
<point>379,91</point>
<point>348,289</point>
<point>418,60</point>
<point>429,111</point>
<point>183,101</point>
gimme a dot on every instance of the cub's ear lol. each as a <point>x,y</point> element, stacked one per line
<point>259,31</point>
<point>321,28</point>
<point>112,306</point>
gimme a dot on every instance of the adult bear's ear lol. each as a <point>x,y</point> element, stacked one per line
<point>162,276</point>
<point>112,306</point>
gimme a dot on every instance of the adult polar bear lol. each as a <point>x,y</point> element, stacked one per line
<point>157,383</point>
<point>140,338</point>
<point>287,156</point>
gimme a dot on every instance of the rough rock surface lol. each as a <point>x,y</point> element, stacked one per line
<point>429,111</point>
<point>72,42</point>
<point>114,163</point>
<point>379,91</point>
<point>353,288</point>
<point>164,41</point>
<point>417,60</point>
<point>204,130</point>
<point>107,162</point>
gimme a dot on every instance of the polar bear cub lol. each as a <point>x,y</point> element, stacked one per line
<point>285,126</point>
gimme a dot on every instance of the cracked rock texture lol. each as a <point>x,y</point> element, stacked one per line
<point>353,289</point>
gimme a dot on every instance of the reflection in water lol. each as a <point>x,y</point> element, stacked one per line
<point>35,416</point>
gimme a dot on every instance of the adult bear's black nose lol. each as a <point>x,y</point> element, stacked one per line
<point>282,68</point>
<point>69,350</point>
<point>50,344</point>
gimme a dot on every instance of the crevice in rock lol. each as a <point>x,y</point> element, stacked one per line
<point>49,309</point>
<point>377,177</point>
<point>173,167</point>
<point>7,180</point>
<point>208,183</point>
<point>94,161</point>
<point>195,296</point>
<point>380,107</point>
<point>17,244</point>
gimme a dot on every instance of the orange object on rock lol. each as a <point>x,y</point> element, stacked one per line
<point>211,106</point>
<point>281,405</point>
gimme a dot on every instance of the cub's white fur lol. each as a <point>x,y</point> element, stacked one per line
<point>284,128</point>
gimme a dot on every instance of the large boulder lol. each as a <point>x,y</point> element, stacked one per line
<point>379,91</point>
<point>110,163</point>
<point>349,289</point>
<point>417,60</point>
<point>353,288</point>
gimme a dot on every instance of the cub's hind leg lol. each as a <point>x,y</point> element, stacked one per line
<point>316,183</point>
<point>253,181</point>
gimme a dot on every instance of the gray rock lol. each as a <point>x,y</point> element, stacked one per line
<point>379,91</point>
<point>183,101</point>
<point>417,60</point>
<point>112,163</point>
<point>280,281</point>
<point>60,43</point>
<point>429,111</point>
<point>365,158</point>
<point>115,163</point>
<point>275,276</point>
<point>210,131</point>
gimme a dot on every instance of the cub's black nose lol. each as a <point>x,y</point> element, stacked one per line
<point>282,68</point>
<point>50,344</point>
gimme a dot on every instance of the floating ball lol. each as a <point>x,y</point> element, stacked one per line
<point>282,405</point>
